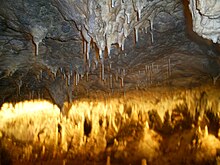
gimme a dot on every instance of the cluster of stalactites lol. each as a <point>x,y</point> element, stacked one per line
<point>111,21</point>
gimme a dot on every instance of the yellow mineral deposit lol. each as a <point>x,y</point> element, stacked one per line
<point>108,162</point>
<point>90,124</point>
<point>143,162</point>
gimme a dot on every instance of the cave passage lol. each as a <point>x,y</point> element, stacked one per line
<point>109,82</point>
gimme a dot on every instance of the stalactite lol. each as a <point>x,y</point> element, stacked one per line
<point>151,30</point>
<point>41,74</point>
<point>215,78</point>
<point>71,70</point>
<point>128,18</point>
<point>36,48</point>
<point>87,76</point>
<point>84,46</point>
<point>38,95</point>
<point>109,51</point>
<point>110,81</point>
<point>87,53</point>
<point>139,14</point>
<point>122,82</point>
<point>68,79</point>
<point>169,68</point>
<point>113,3</point>
<point>152,37</point>
<point>123,44</point>
<point>38,32</point>
<point>136,34</point>
<point>19,86</point>
<point>100,54</point>
<point>87,39</point>
<point>32,94</point>
<point>76,78</point>
<point>116,75</point>
<point>103,68</point>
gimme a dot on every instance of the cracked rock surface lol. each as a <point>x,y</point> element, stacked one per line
<point>64,50</point>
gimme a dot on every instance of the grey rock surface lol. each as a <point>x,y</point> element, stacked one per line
<point>97,46</point>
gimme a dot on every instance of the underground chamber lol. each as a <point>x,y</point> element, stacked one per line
<point>109,82</point>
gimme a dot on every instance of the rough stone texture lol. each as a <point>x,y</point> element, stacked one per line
<point>205,16</point>
<point>64,50</point>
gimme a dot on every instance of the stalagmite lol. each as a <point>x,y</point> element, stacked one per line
<point>108,162</point>
<point>147,125</point>
<point>43,151</point>
<point>206,133</point>
<point>199,130</point>
<point>143,162</point>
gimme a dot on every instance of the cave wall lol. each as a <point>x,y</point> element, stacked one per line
<point>63,50</point>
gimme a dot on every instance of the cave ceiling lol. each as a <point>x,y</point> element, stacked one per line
<point>63,50</point>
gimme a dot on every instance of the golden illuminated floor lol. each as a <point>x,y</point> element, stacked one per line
<point>159,126</point>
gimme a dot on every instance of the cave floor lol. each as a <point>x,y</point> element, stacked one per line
<point>157,125</point>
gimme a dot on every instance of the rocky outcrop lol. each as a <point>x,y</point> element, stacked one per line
<point>205,16</point>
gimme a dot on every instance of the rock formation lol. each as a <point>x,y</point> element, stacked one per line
<point>205,16</point>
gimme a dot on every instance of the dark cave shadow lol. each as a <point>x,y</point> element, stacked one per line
<point>5,157</point>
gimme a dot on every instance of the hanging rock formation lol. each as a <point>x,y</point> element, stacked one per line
<point>205,16</point>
